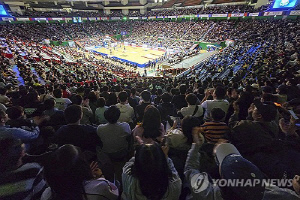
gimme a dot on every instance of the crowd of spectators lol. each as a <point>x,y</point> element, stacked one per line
<point>70,130</point>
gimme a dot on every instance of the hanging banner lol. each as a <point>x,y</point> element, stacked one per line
<point>203,15</point>
<point>40,19</point>
<point>7,19</point>
<point>115,18</point>
<point>144,17</point>
<point>133,17</point>
<point>295,12</point>
<point>22,19</point>
<point>172,17</point>
<point>92,18</point>
<point>104,18</point>
<point>219,15</point>
<point>273,13</point>
<point>236,14</point>
<point>58,18</point>
<point>152,17</point>
<point>254,14</point>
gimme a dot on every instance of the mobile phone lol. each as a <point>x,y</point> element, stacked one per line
<point>178,121</point>
<point>293,114</point>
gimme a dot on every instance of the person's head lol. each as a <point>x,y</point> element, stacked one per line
<point>232,166</point>
<point>112,114</point>
<point>3,117</point>
<point>32,97</point>
<point>217,114</point>
<point>219,92</point>
<point>182,89</point>
<point>296,184</point>
<point>92,96</point>
<point>57,93</point>
<point>123,96</point>
<point>73,114</point>
<point>146,96</point>
<point>151,169</point>
<point>49,104</point>
<point>264,112</point>
<point>191,99</point>
<point>151,122</point>
<point>11,153</point>
<point>76,99</point>
<point>166,97</point>
<point>133,91</point>
<point>282,90</point>
<point>101,102</point>
<point>187,125</point>
<point>3,91</point>
<point>267,90</point>
<point>15,112</point>
<point>65,172</point>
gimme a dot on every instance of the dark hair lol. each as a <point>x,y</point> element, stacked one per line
<point>166,97</point>
<point>65,172</point>
<point>220,92</point>
<point>151,122</point>
<point>151,169</point>
<point>187,125</point>
<point>76,99</point>
<point>57,93</point>
<point>112,114</point>
<point>191,99</point>
<point>2,90</point>
<point>101,102</point>
<point>217,114</point>
<point>14,112</point>
<point>182,89</point>
<point>123,96</point>
<point>146,95</point>
<point>49,104</point>
<point>92,96</point>
<point>73,113</point>
<point>10,152</point>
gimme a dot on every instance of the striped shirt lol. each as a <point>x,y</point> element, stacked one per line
<point>25,183</point>
<point>213,131</point>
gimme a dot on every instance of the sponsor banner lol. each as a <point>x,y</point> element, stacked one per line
<point>7,19</point>
<point>236,15</point>
<point>84,18</point>
<point>68,18</point>
<point>254,14</point>
<point>172,17</point>
<point>104,18</point>
<point>133,17</point>
<point>23,19</point>
<point>295,12</point>
<point>160,17</point>
<point>152,17</point>
<point>181,16</point>
<point>219,15</point>
<point>58,18</point>
<point>98,18</point>
<point>92,18</point>
<point>203,15</point>
<point>40,19</point>
<point>115,18</point>
<point>273,13</point>
<point>188,15</point>
<point>144,17</point>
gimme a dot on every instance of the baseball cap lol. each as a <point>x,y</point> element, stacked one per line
<point>268,111</point>
<point>234,167</point>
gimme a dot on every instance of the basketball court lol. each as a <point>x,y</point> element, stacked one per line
<point>133,55</point>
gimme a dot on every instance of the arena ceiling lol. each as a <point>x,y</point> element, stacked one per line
<point>76,4</point>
